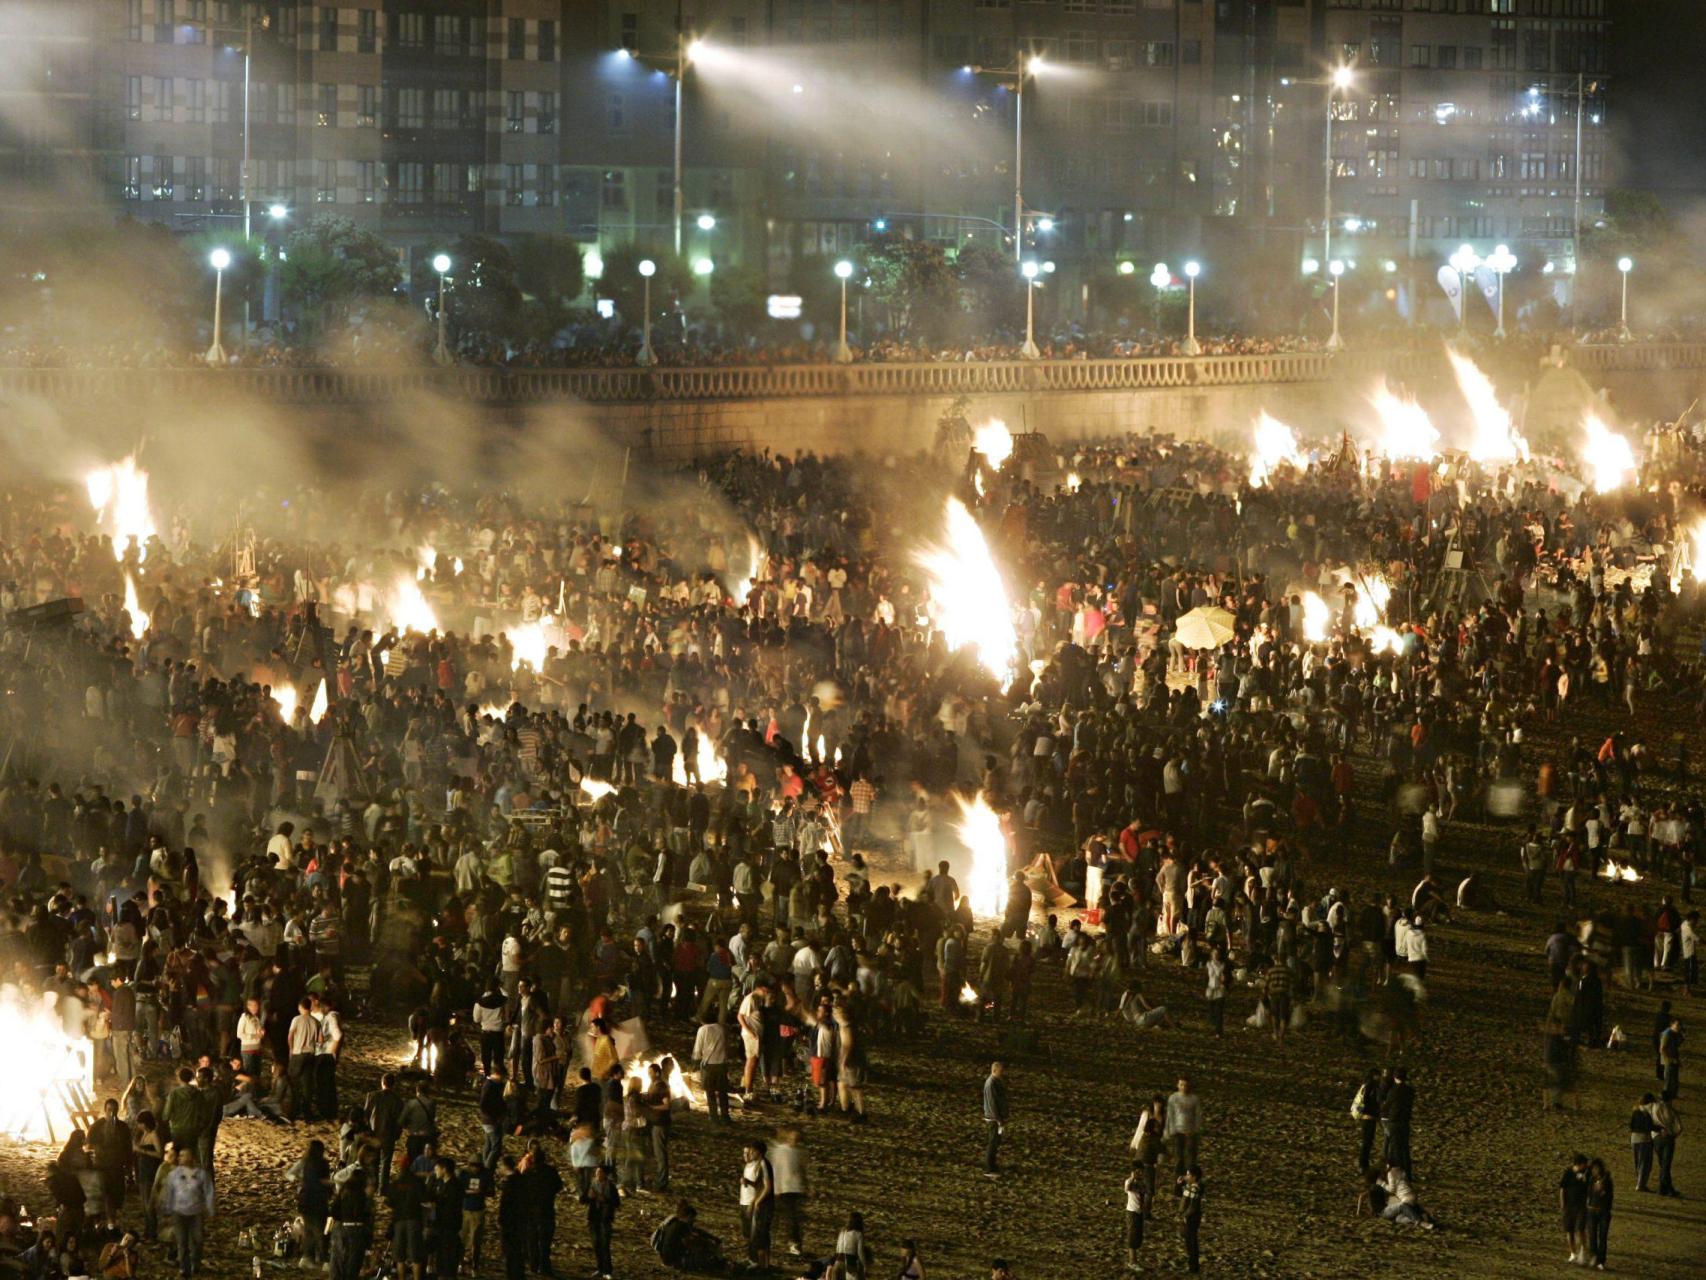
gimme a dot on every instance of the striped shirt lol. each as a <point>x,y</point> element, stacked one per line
<point>559,881</point>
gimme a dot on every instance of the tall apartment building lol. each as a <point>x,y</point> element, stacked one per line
<point>1462,125</point>
<point>1152,128</point>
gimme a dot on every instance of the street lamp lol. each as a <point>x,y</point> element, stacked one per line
<point>843,353</point>
<point>685,51</point>
<point>1159,278</point>
<point>1500,261</point>
<point>1029,350</point>
<point>647,356</point>
<point>1464,262</point>
<point>441,264</point>
<point>703,266</point>
<point>707,222</point>
<point>1339,81</point>
<point>277,212</point>
<point>1192,347</point>
<point>1335,268</point>
<point>1026,68</point>
<point>219,259</point>
<point>1625,265</point>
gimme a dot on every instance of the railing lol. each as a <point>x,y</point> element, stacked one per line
<point>1636,356</point>
<point>630,385</point>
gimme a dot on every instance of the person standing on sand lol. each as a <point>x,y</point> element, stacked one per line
<point>1190,1217</point>
<point>1365,1110</point>
<point>994,1118</point>
<point>1397,1105</point>
<point>1184,1126</point>
<point>1136,1208</point>
<point>602,1199</point>
<point>1666,1126</point>
<point>1641,1140</point>
<point>186,1198</point>
<point>1599,1200</point>
<point>1573,1208</point>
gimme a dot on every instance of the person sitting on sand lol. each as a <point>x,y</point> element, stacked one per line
<point>684,1245</point>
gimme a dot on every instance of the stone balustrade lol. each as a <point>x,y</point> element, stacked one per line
<point>630,385</point>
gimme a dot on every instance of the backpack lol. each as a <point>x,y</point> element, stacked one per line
<point>1359,1104</point>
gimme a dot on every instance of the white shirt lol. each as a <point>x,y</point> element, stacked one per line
<point>788,1169</point>
<point>279,847</point>
<point>251,1031</point>
<point>1413,945</point>
<point>331,1033</point>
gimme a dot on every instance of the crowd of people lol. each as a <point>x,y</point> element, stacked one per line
<point>720,808</point>
<point>608,346</point>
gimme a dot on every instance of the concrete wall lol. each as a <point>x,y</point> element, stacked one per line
<point>906,424</point>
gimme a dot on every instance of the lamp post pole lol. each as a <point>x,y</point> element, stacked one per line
<point>441,352</point>
<point>1336,269</point>
<point>843,353</point>
<point>1464,262</point>
<point>220,259</point>
<point>1625,265</point>
<point>1029,350</point>
<point>1192,346</point>
<point>1501,261</point>
<point>1339,79</point>
<point>1019,166</point>
<point>647,356</point>
<point>680,75</point>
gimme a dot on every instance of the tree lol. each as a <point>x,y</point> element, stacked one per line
<point>740,295</point>
<point>551,271</point>
<point>1634,222</point>
<point>992,293</point>
<point>623,284</point>
<point>483,288</point>
<point>913,280</point>
<point>330,266</point>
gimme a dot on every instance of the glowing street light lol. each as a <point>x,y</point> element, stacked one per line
<point>441,264</point>
<point>1192,347</point>
<point>843,353</point>
<point>1625,265</point>
<point>277,212</point>
<point>1029,350</point>
<point>1335,268</point>
<point>1311,266</point>
<point>1159,279</point>
<point>707,222</point>
<point>647,356</point>
<point>1500,261</point>
<point>703,266</point>
<point>219,259</point>
<point>1128,267</point>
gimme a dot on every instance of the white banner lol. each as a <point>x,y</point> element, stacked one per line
<point>1488,280</point>
<point>1452,283</point>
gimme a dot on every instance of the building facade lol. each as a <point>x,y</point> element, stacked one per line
<point>1463,124</point>
<point>1152,129</point>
